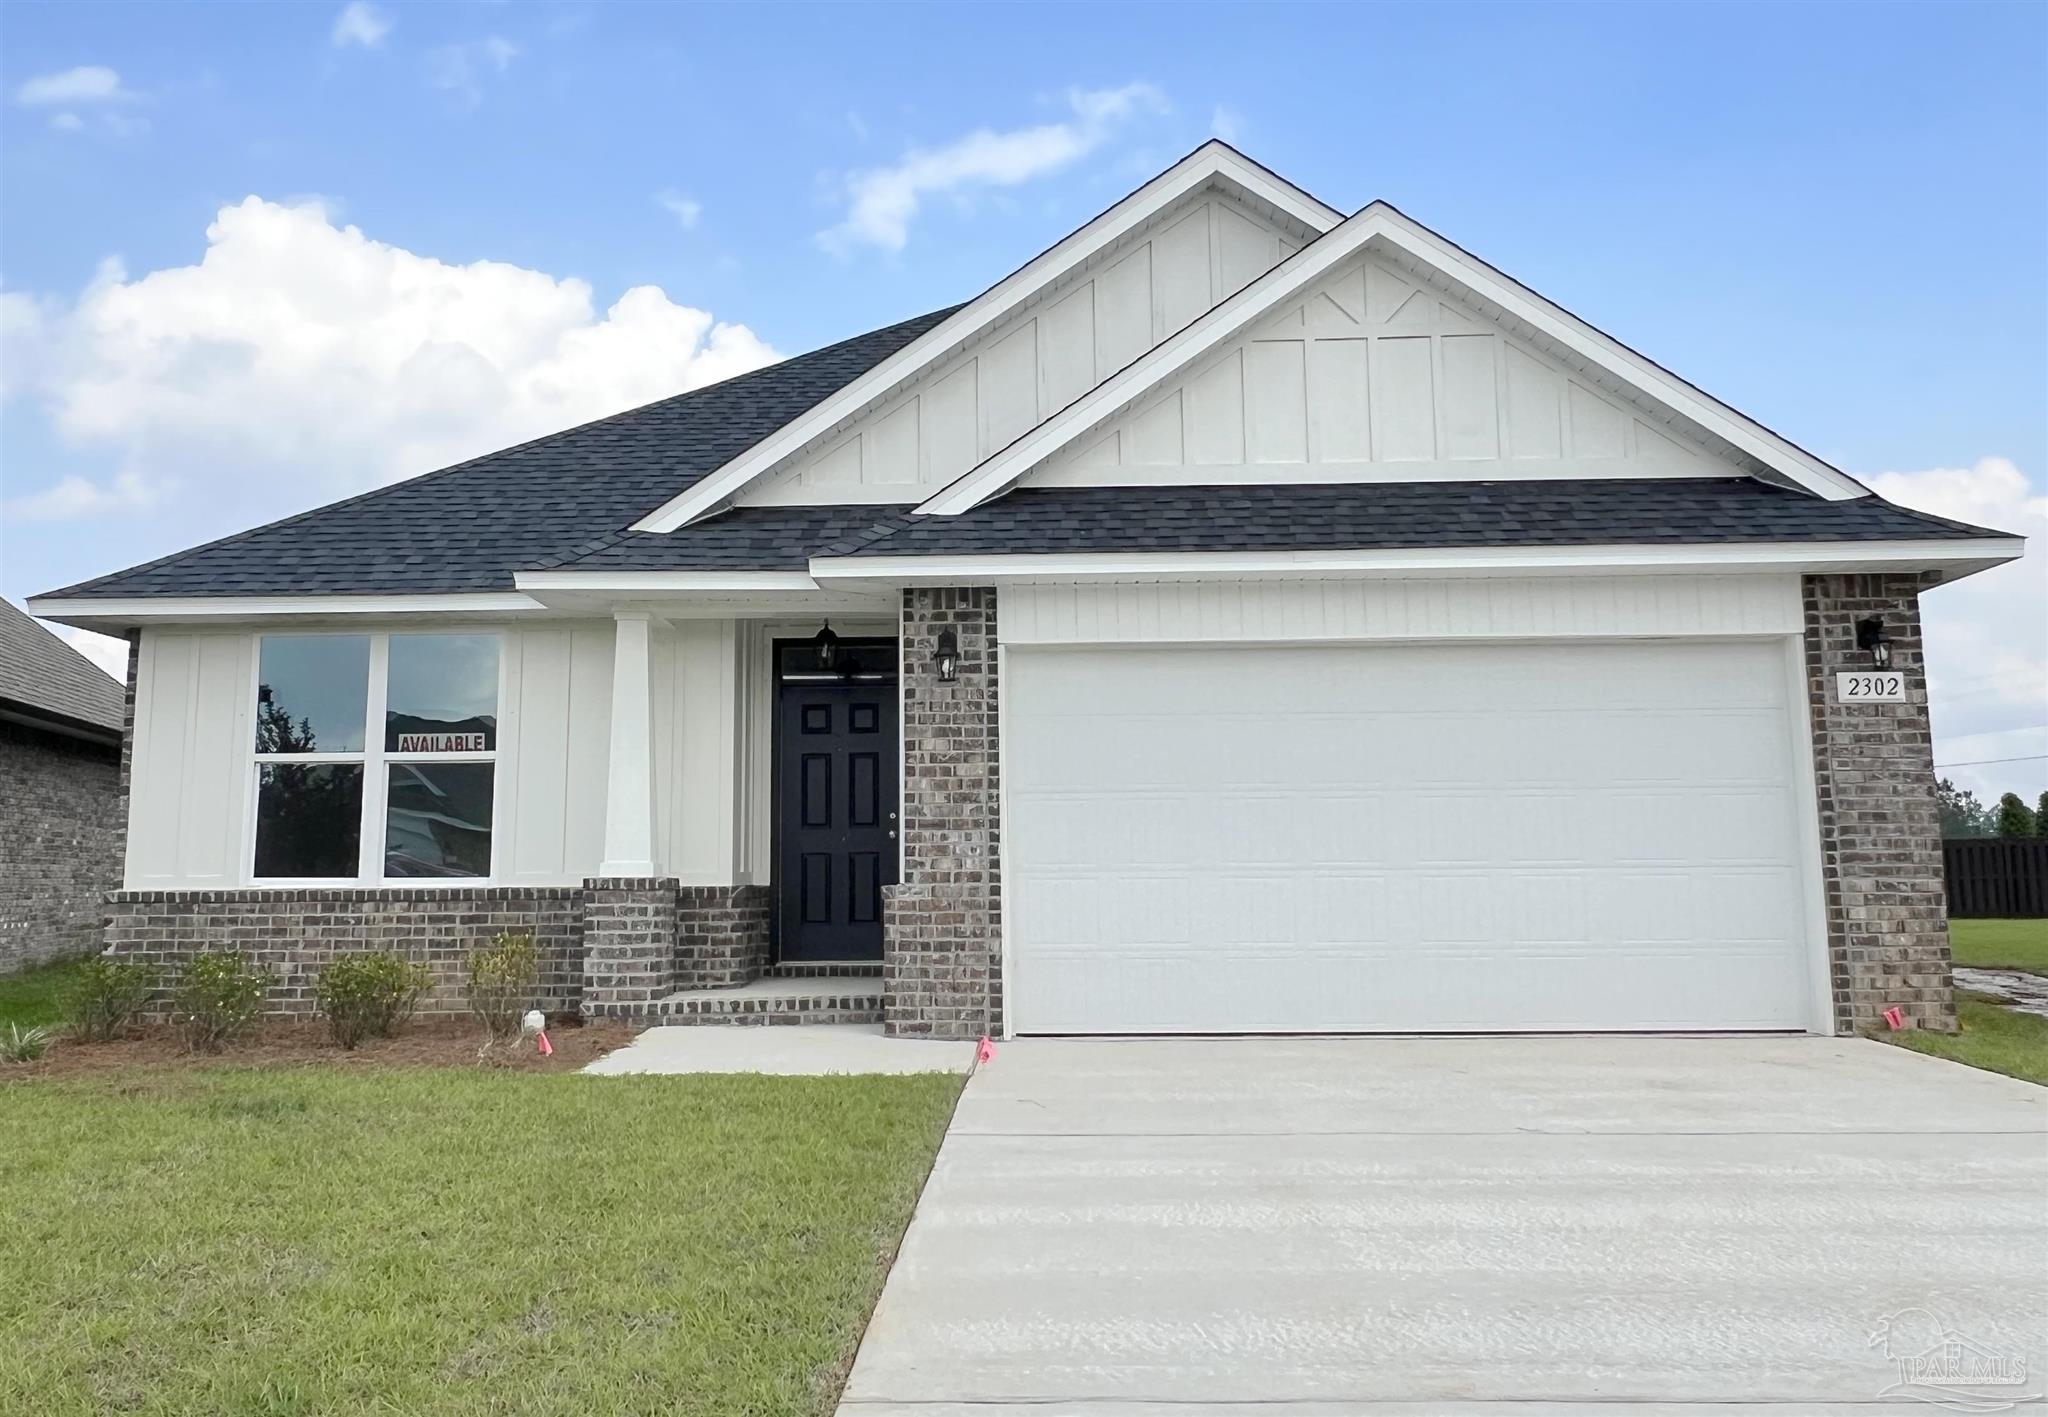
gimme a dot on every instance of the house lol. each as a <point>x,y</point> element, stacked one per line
<point>1243,617</point>
<point>60,795</point>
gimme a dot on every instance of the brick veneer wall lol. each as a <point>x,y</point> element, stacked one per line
<point>721,936</point>
<point>942,925</point>
<point>1880,827</point>
<point>629,944</point>
<point>60,843</point>
<point>293,933</point>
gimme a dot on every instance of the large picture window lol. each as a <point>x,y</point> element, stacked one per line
<point>337,801</point>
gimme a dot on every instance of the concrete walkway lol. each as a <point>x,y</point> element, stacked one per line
<point>2028,993</point>
<point>786,1050</point>
<point>1512,1225</point>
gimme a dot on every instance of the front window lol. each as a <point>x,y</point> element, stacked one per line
<point>337,802</point>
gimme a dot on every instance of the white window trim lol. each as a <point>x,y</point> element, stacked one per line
<point>375,762</point>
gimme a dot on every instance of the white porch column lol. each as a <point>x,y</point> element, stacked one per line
<point>629,783</point>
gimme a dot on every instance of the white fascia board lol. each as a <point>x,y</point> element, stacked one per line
<point>1233,317</point>
<point>1966,556</point>
<point>90,613</point>
<point>638,582</point>
<point>1212,160</point>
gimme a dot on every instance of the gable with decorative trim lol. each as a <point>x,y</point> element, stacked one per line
<point>1048,352</point>
<point>1373,376</point>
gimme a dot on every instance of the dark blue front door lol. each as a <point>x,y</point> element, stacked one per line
<point>836,757</point>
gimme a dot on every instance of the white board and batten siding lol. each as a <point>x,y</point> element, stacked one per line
<point>1468,608</point>
<point>192,774</point>
<point>1374,377</point>
<point>1043,357</point>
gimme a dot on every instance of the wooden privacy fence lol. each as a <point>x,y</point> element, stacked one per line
<point>1997,876</point>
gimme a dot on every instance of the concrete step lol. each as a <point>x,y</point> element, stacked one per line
<point>826,969</point>
<point>778,1000</point>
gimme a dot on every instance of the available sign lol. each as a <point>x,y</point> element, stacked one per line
<point>1863,686</point>
<point>443,743</point>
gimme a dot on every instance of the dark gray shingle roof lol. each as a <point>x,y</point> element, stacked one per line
<point>469,527</point>
<point>1293,517</point>
<point>41,674</point>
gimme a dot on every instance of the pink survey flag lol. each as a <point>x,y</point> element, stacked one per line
<point>547,1049</point>
<point>984,1051</point>
<point>1895,1017</point>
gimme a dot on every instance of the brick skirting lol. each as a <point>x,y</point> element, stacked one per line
<point>721,936</point>
<point>294,933</point>
<point>60,843</point>
<point>1880,828</point>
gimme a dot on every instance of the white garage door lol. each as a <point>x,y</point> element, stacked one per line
<point>1402,838</point>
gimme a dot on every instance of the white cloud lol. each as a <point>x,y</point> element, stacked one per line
<point>882,202</point>
<point>359,23</point>
<point>685,210</point>
<point>1987,636</point>
<point>299,360</point>
<point>105,651</point>
<point>1226,123</point>
<point>66,121</point>
<point>460,69</point>
<point>86,84</point>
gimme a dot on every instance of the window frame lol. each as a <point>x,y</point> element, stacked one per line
<point>375,763</point>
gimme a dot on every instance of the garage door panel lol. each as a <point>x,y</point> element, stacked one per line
<point>1402,838</point>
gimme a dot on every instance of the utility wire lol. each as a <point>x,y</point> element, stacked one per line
<point>1985,762</point>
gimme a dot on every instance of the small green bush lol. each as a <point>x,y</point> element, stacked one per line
<point>105,995</point>
<point>23,1045</point>
<point>219,995</point>
<point>369,995</point>
<point>503,976</point>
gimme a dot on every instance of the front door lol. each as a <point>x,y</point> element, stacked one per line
<point>835,798</point>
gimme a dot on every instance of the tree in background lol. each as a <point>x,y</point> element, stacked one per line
<point>2015,818</point>
<point>2041,815</point>
<point>1961,813</point>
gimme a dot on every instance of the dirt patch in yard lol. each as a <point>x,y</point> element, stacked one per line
<point>427,1043</point>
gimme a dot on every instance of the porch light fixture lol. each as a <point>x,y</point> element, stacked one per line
<point>1870,636</point>
<point>947,660</point>
<point>827,645</point>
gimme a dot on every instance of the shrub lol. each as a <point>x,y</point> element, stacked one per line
<point>369,995</point>
<point>105,995</point>
<point>23,1045</point>
<point>503,976</point>
<point>218,996</point>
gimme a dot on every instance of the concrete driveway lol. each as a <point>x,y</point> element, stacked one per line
<point>1525,1225</point>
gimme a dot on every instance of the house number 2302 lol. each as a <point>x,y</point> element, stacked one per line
<point>1864,686</point>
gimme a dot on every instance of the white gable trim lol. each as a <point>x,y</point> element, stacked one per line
<point>1213,161</point>
<point>1382,224</point>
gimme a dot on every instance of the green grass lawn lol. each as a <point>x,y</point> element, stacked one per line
<point>411,1240</point>
<point>1993,1037</point>
<point>2001,944</point>
<point>34,996</point>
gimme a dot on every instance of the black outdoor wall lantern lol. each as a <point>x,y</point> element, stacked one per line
<point>947,660</point>
<point>828,647</point>
<point>1870,636</point>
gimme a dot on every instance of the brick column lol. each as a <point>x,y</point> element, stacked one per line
<point>629,944</point>
<point>942,926</point>
<point>1880,828</point>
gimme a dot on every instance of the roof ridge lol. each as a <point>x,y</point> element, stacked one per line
<point>418,479</point>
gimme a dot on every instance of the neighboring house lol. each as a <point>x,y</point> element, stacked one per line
<point>1242,617</point>
<point>60,795</point>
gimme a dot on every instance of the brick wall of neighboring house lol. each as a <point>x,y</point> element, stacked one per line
<point>60,843</point>
<point>942,925</point>
<point>721,936</point>
<point>1879,826</point>
<point>293,933</point>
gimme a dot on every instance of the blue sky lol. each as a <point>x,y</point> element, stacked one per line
<point>1834,217</point>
